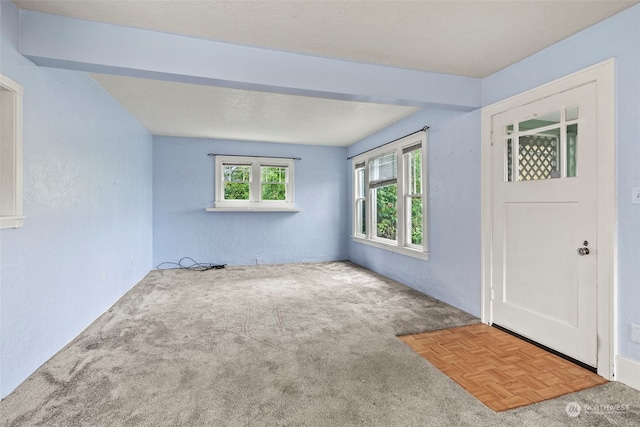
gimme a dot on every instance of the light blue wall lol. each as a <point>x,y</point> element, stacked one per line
<point>619,38</point>
<point>91,224</point>
<point>87,198</point>
<point>183,178</point>
<point>452,273</point>
<point>70,43</point>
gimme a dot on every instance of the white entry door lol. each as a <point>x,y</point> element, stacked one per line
<point>544,222</point>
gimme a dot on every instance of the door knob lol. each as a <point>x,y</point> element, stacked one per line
<point>583,251</point>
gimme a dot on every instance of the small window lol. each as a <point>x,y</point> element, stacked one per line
<point>389,202</point>
<point>10,154</point>
<point>259,183</point>
<point>535,148</point>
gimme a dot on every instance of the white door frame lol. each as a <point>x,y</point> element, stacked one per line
<point>603,75</point>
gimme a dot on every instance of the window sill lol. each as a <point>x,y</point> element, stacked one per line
<point>11,221</point>
<point>253,209</point>
<point>414,253</point>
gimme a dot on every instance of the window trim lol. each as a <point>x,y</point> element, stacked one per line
<point>11,93</point>
<point>402,244</point>
<point>255,202</point>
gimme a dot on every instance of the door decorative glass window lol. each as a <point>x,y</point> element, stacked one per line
<point>535,148</point>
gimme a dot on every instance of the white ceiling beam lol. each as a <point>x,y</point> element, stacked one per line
<point>62,42</point>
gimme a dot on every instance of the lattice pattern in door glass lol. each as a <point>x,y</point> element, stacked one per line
<point>538,157</point>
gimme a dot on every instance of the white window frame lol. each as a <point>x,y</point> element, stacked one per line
<point>255,203</point>
<point>402,244</point>
<point>10,154</point>
<point>359,196</point>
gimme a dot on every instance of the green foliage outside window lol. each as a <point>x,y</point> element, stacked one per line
<point>387,204</point>
<point>274,183</point>
<point>236,191</point>
<point>387,211</point>
<point>416,221</point>
<point>237,181</point>
<point>415,177</point>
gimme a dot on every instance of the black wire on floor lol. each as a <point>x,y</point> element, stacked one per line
<point>193,265</point>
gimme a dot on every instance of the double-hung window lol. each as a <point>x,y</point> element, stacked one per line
<point>259,183</point>
<point>389,202</point>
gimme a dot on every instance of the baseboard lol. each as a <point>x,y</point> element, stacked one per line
<point>628,372</point>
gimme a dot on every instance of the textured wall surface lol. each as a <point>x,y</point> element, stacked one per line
<point>93,224</point>
<point>452,273</point>
<point>619,38</point>
<point>87,237</point>
<point>183,179</point>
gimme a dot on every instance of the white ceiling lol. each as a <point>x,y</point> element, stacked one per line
<point>181,109</point>
<point>467,38</point>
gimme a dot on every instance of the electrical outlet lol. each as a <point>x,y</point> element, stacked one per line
<point>258,261</point>
<point>635,333</point>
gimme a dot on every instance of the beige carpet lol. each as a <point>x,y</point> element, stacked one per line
<point>271,345</point>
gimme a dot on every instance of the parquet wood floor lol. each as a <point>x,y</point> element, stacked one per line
<point>502,371</point>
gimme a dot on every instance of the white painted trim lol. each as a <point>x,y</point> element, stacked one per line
<point>628,372</point>
<point>13,217</point>
<point>11,221</point>
<point>251,209</point>
<point>603,75</point>
<point>414,253</point>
